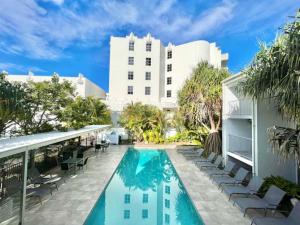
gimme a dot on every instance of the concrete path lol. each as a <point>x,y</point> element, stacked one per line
<point>212,205</point>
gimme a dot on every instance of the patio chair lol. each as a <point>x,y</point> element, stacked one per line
<point>208,165</point>
<point>238,178</point>
<point>251,189</point>
<point>192,152</point>
<point>37,178</point>
<point>11,186</point>
<point>226,171</point>
<point>188,151</point>
<point>81,165</point>
<point>194,156</point>
<point>37,192</point>
<point>210,158</point>
<point>271,200</point>
<point>292,219</point>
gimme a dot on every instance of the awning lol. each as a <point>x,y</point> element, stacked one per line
<point>15,145</point>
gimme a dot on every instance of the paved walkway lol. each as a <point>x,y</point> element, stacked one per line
<point>212,205</point>
<point>71,204</point>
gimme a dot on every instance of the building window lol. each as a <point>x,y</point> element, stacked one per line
<point>148,76</point>
<point>130,75</point>
<point>169,93</point>
<point>126,214</point>
<point>169,80</point>
<point>169,55</point>
<point>145,198</point>
<point>148,47</point>
<point>127,198</point>
<point>130,90</point>
<point>147,90</point>
<point>148,61</point>
<point>145,213</point>
<point>167,189</point>
<point>130,60</point>
<point>167,218</point>
<point>167,203</point>
<point>131,46</point>
<point>169,67</point>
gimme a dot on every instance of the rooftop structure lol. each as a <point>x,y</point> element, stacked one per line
<point>83,86</point>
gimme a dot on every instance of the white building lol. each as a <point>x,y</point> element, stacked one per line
<point>245,140</point>
<point>143,70</point>
<point>83,86</point>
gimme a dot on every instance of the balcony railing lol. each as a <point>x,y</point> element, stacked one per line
<point>239,108</point>
<point>241,146</point>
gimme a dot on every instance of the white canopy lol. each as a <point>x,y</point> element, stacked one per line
<point>14,145</point>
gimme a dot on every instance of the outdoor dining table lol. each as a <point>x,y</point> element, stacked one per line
<point>73,162</point>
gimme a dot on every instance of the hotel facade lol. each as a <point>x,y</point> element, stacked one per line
<point>144,70</point>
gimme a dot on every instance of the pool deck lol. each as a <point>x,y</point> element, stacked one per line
<point>71,204</point>
<point>73,201</point>
<point>212,205</point>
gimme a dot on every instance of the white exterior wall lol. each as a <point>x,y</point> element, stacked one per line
<point>118,74</point>
<point>83,86</point>
<point>250,119</point>
<point>184,58</point>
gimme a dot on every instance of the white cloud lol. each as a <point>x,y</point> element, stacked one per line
<point>56,2</point>
<point>20,68</point>
<point>26,28</point>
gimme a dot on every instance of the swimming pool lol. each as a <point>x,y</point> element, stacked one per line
<point>144,190</point>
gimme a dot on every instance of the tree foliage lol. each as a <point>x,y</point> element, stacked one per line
<point>144,122</point>
<point>84,111</point>
<point>43,104</point>
<point>11,102</point>
<point>275,74</point>
<point>200,101</point>
<point>36,107</point>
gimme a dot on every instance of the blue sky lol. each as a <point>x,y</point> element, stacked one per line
<point>72,36</point>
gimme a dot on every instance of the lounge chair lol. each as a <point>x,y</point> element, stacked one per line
<point>193,152</point>
<point>188,151</point>
<point>222,172</point>
<point>251,189</point>
<point>292,219</point>
<point>208,165</point>
<point>194,156</point>
<point>271,200</point>
<point>37,178</point>
<point>238,178</point>
<point>210,158</point>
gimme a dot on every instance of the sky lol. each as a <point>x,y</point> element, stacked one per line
<point>72,36</point>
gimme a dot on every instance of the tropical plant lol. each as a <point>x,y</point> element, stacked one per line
<point>144,122</point>
<point>11,101</point>
<point>84,111</point>
<point>200,101</point>
<point>275,74</point>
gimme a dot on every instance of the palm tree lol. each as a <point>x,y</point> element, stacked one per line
<point>275,74</point>
<point>200,101</point>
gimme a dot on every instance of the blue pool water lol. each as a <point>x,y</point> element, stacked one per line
<point>144,190</point>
